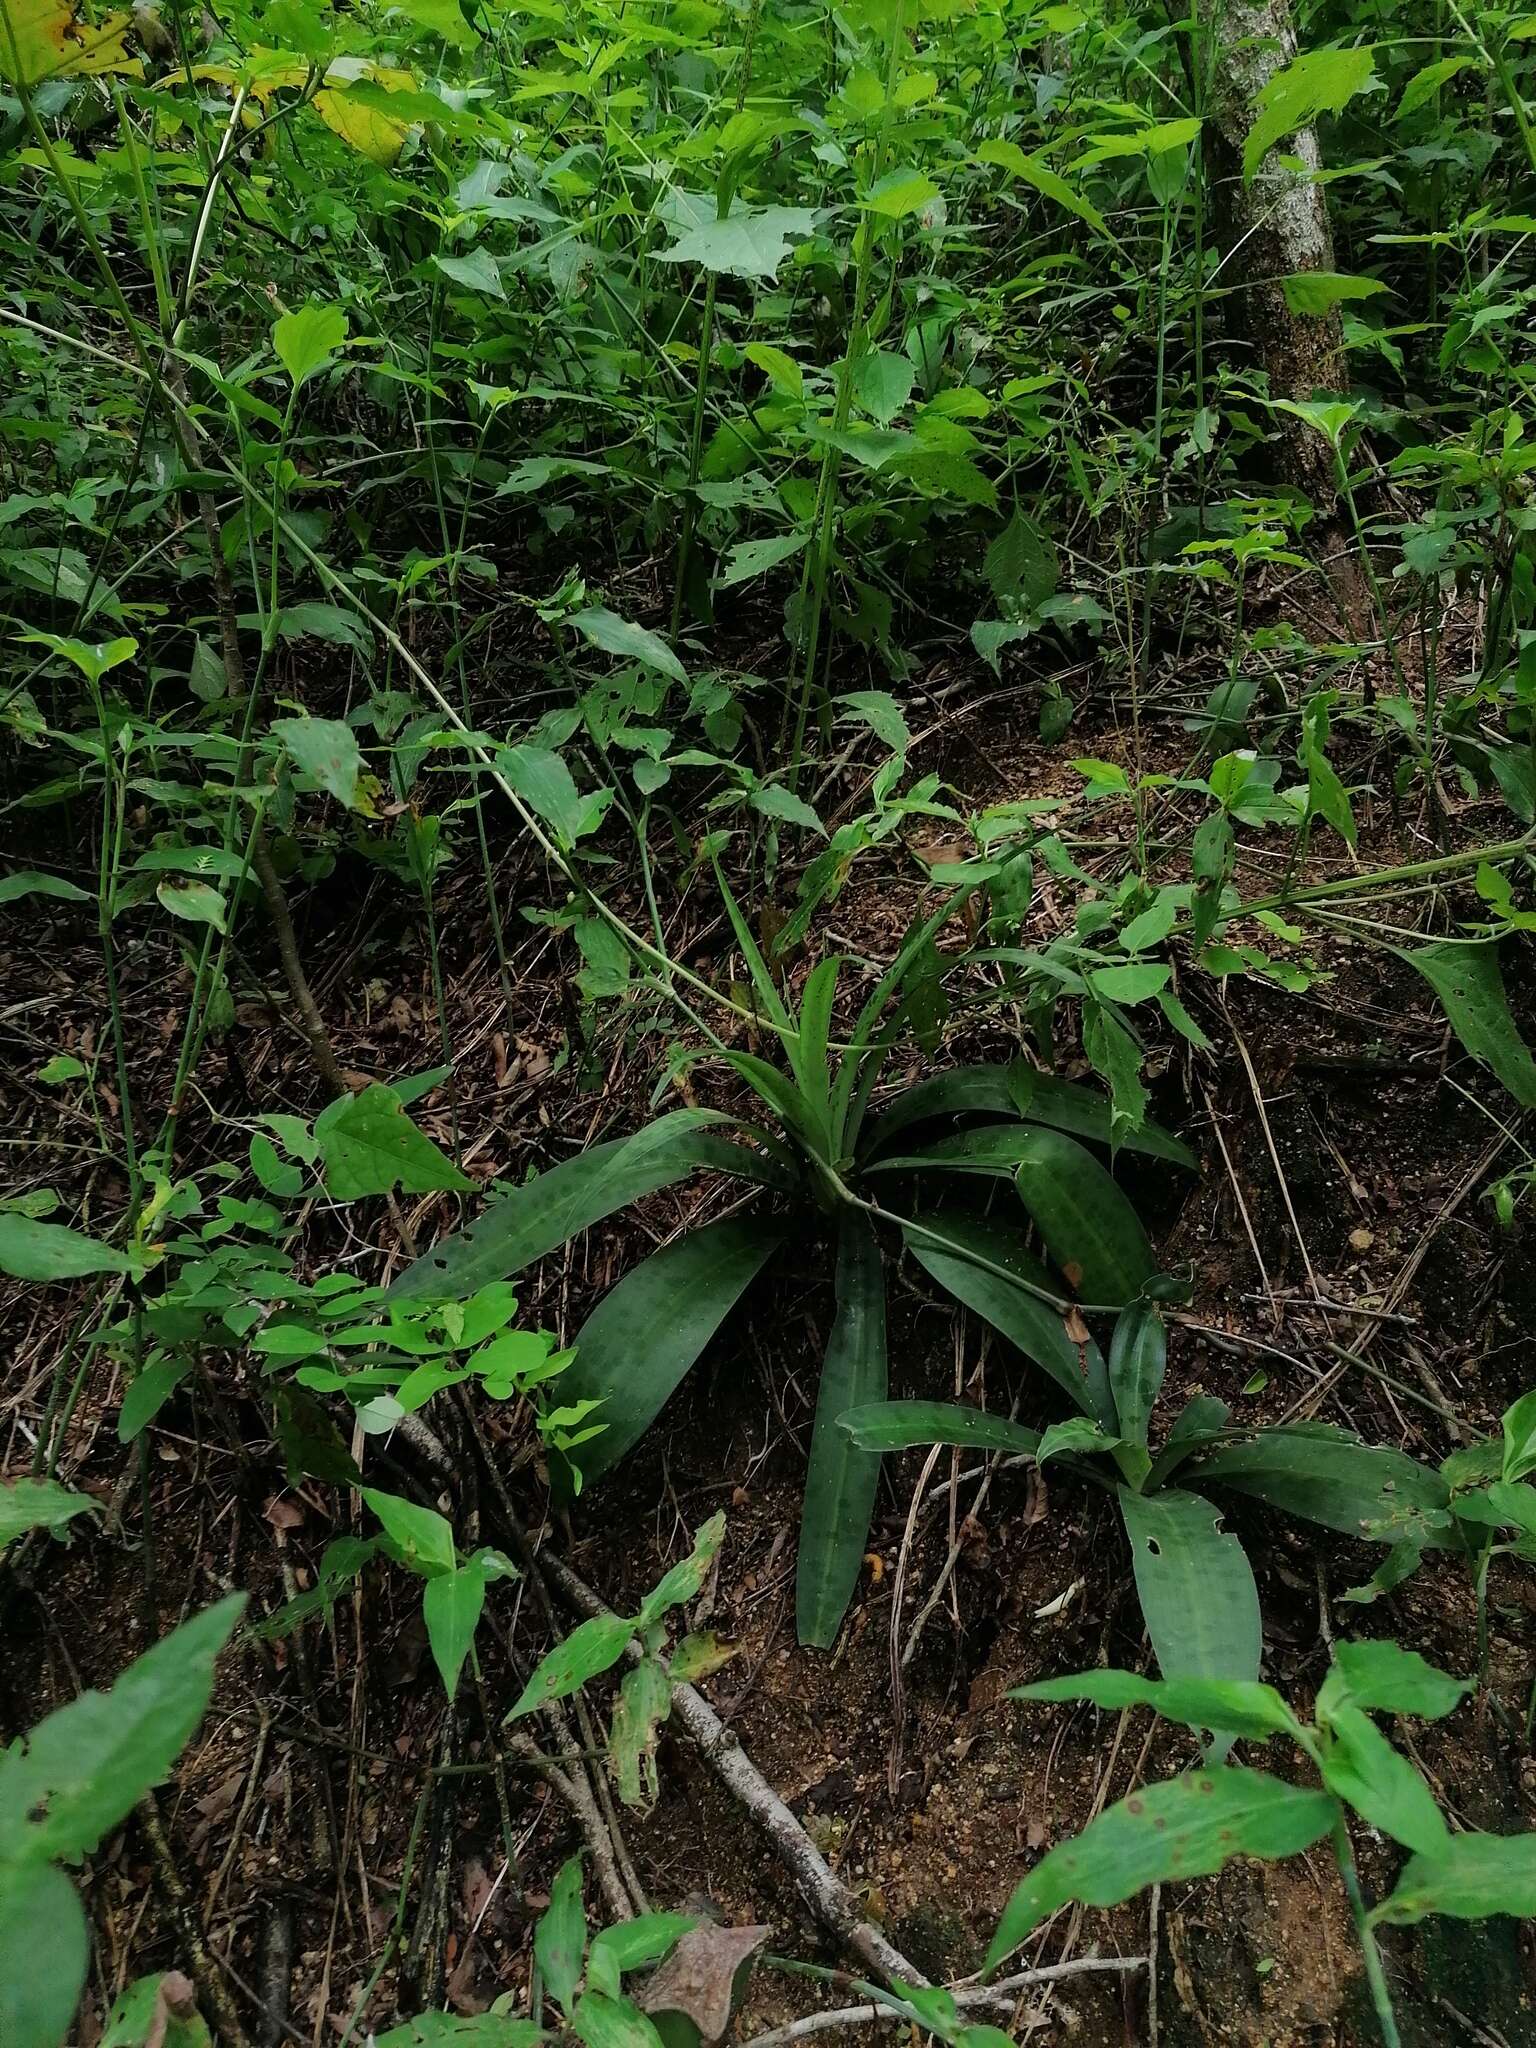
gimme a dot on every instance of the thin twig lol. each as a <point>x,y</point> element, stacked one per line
<point>998,1996</point>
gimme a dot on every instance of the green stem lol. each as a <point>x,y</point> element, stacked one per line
<point>1375,1975</point>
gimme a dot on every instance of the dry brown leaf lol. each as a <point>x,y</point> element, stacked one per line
<point>705,1976</point>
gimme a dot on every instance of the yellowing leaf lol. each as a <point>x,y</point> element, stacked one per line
<point>360,120</point>
<point>46,39</point>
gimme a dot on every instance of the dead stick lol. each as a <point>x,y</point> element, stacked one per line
<point>828,1898</point>
<point>210,1985</point>
<point>1001,1995</point>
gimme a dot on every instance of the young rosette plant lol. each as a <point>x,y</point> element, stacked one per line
<point>823,1162</point>
<point>1193,1825</point>
<point>1196,1586</point>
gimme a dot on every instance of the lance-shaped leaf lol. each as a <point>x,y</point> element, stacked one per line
<point>1196,1586</point>
<point>951,1244</point>
<point>899,1425</point>
<point>643,1336</point>
<point>1326,1475</point>
<point>570,1197</point>
<point>1239,1706</point>
<point>841,1479</point>
<point>1138,1358</point>
<point>1188,1827</point>
<point>1092,1232</point>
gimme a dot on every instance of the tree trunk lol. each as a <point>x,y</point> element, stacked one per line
<point>1277,225</point>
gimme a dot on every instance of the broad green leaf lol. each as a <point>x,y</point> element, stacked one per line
<point>30,883</point>
<point>93,658</point>
<point>423,1536</point>
<point>1138,1358</point>
<point>460,2030</point>
<point>591,1648</point>
<point>752,242</point>
<point>1518,1430</point>
<point>50,1251</point>
<point>1196,1586</point>
<point>1327,1476</point>
<point>476,271</point>
<point>1471,988</point>
<point>83,1768</point>
<point>148,1394</point>
<point>1318,82</point>
<point>1050,184</point>
<point>1467,1877</point>
<point>327,749</point>
<point>1424,84</point>
<point>1236,1706</point>
<point>751,558</point>
<point>841,1478</point>
<point>1137,981</point>
<point>545,784</point>
<point>636,1944</point>
<point>371,1147</point>
<point>1361,1767</point>
<point>901,192</point>
<point>948,1244</point>
<point>306,341</point>
<point>1188,1827</point>
<point>1022,563</point>
<point>1314,293</point>
<point>1090,1229</point>
<point>1387,1679</point>
<point>568,1198</point>
<point>684,1580</point>
<point>141,2018</point>
<point>560,1939</point>
<point>899,1425</point>
<point>451,1606</point>
<point>885,718</point>
<point>641,1339</point>
<point>1077,1437</point>
<point>882,383</point>
<point>44,1949</point>
<point>775,801</point>
<point>605,629</point>
<point>39,1504</point>
<point>196,902</point>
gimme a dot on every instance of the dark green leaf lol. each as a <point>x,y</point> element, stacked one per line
<point>899,1425</point>
<point>841,1478</point>
<point>1090,1229</point>
<point>49,1251</point>
<point>1138,1358</point>
<point>560,1939</point>
<point>371,1147</point>
<point>1327,1476</point>
<point>591,1648</point>
<point>640,1340</point>
<point>38,1504</point>
<point>948,1244</point>
<point>570,1197</point>
<point>1468,982</point>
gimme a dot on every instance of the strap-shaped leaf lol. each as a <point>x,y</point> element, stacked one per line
<point>841,1480</point>
<point>1202,1420</point>
<point>1138,1358</point>
<point>1188,1827</point>
<point>808,1050</point>
<point>949,1242</point>
<point>1196,1587</point>
<point>901,1425</point>
<point>646,1332</point>
<point>1019,1091</point>
<point>523,1226</point>
<point>1326,1475</point>
<point>1090,1229</point>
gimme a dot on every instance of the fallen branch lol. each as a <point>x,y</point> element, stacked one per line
<point>998,1996</point>
<point>828,1898</point>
